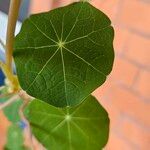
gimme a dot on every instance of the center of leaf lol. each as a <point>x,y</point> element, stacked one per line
<point>67,117</point>
<point>60,44</point>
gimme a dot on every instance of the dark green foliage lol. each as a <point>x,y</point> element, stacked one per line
<point>65,54</point>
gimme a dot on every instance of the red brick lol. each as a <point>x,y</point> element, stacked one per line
<point>40,6</point>
<point>121,39</point>
<point>135,14</point>
<point>61,3</point>
<point>101,92</point>
<point>3,129</point>
<point>138,50</point>
<point>101,95</point>
<point>109,8</point>
<point>115,143</point>
<point>135,134</point>
<point>142,84</point>
<point>129,103</point>
<point>65,2</point>
<point>123,71</point>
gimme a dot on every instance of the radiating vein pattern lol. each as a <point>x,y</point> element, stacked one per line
<point>65,54</point>
<point>68,132</point>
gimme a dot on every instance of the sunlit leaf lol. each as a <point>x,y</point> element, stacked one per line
<point>84,127</point>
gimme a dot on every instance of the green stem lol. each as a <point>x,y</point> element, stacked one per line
<point>12,79</point>
<point>12,19</point>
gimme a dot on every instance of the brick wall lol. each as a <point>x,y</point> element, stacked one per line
<point>126,94</point>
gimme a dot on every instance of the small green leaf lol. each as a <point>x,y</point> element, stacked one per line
<point>11,111</point>
<point>65,54</point>
<point>14,139</point>
<point>84,127</point>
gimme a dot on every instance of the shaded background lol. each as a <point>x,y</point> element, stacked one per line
<point>126,93</point>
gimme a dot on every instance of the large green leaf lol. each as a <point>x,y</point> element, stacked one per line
<point>14,139</point>
<point>83,127</point>
<point>63,55</point>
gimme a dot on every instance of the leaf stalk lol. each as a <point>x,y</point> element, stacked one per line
<point>12,19</point>
<point>11,79</point>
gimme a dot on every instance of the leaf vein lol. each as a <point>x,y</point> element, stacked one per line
<point>47,114</point>
<point>81,130</point>
<point>76,20</point>
<point>59,125</point>
<point>64,75</point>
<point>42,69</point>
<point>54,30</point>
<point>38,47</point>
<point>69,135</point>
<point>85,36</point>
<point>42,31</point>
<point>85,61</point>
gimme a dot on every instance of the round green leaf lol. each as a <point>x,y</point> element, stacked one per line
<point>65,54</point>
<point>83,127</point>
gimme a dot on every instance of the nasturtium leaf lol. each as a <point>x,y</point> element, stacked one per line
<point>82,127</point>
<point>11,111</point>
<point>15,139</point>
<point>65,54</point>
